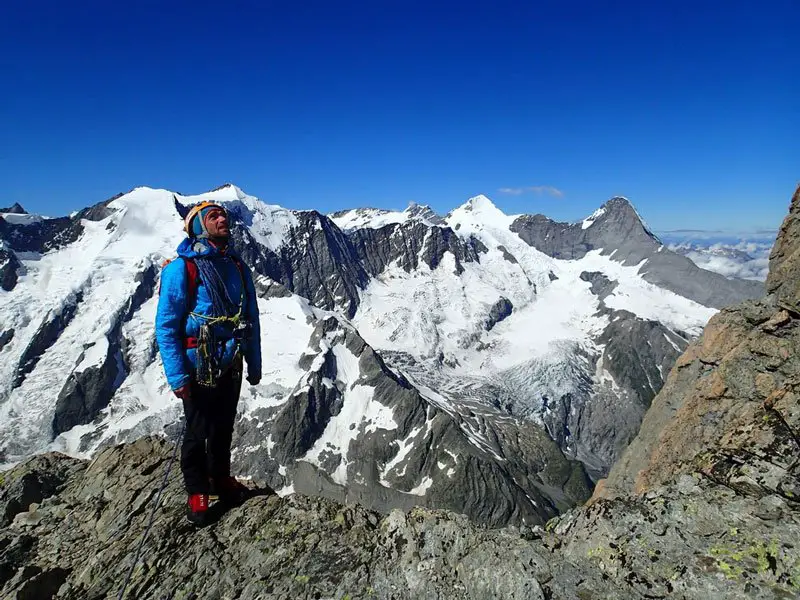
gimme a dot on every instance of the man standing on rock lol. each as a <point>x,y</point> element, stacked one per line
<point>206,324</point>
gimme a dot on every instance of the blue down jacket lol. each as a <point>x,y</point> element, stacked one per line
<point>174,323</point>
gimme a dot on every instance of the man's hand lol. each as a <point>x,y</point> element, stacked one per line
<point>253,378</point>
<point>183,392</point>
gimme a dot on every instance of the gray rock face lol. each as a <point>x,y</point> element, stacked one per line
<point>692,539</point>
<point>405,244</point>
<point>639,353</point>
<point>617,229</point>
<point>6,337</point>
<point>317,262</point>
<point>501,309</point>
<point>516,474</point>
<point>9,269</point>
<point>87,392</point>
<point>51,327</point>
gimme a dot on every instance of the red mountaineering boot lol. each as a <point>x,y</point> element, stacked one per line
<point>197,509</point>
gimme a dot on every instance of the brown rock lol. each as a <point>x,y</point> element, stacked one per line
<point>599,492</point>
<point>780,319</point>
<point>784,262</point>
<point>765,384</point>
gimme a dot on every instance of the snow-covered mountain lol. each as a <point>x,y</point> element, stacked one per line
<point>480,362</point>
<point>375,218</point>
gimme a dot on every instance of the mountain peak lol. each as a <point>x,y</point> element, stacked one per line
<point>15,209</point>
<point>227,191</point>
<point>423,212</point>
<point>618,210</point>
<point>621,205</point>
<point>480,202</point>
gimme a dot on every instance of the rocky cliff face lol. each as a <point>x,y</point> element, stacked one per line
<point>9,268</point>
<point>730,406</point>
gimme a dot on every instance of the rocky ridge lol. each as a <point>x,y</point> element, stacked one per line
<point>71,529</point>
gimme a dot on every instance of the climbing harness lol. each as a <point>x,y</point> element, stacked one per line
<point>152,514</point>
<point>208,371</point>
<point>197,270</point>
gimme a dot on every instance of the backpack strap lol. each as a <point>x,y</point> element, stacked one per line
<point>192,279</point>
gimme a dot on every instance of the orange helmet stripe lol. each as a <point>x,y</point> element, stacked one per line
<point>196,209</point>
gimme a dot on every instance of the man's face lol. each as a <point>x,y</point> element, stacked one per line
<point>217,223</point>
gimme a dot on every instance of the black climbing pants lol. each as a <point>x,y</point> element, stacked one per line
<point>210,415</point>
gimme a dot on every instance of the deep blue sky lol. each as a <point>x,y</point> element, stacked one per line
<point>686,108</point>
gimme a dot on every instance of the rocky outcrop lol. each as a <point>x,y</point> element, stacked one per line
<point>6,337</point>
<point>37,479</point>
<point>730,406</point>
<point>404,450</point>
<point>602,286</point>
<point>50,328</point>
<point>408,244</point>
<point>693,539</point>
<point>783,281</point>
<point>9,268</point>
<point>616,229</point>
<point>500,310</point>
<point>88,391</point>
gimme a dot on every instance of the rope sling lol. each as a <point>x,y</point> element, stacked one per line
<point>222,308</point>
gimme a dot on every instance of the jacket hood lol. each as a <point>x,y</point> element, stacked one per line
<point>200,248</point>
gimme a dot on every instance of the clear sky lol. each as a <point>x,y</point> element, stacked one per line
<point>690,109</point>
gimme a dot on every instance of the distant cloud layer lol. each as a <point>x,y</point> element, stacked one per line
<point>744,259</point>
<point>535,189</point>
